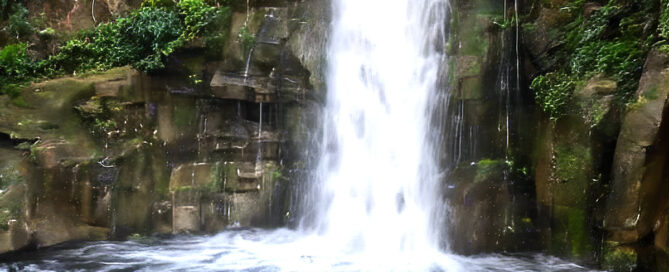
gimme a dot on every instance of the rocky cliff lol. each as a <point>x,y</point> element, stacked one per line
<point>577,162</point>
<point>209,142</point>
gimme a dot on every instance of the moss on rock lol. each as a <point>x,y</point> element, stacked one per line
<point>619,258</point>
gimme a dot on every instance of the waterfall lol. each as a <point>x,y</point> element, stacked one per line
<point>379,174</point>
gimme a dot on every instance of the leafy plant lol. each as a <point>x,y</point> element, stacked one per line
<point>247,39</point>
<point>143,40</point>
<point>6,7</point>
<point>159,4</point>
<point>18,24</point>
<point>140,40</point>
<point>196,16</point>
<point>553,91</point>
<point>610,42</point>
<point>16,67</point>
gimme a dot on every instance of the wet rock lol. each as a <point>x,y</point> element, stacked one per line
<point>661,230</point>
<point>112,154</point>
<point>540,38</point>
<point>470,88</point>
<point>51,154</point>
<point>221,194</point>
<point>143,179</point>
<point>468,66</point>
<point>640,156</point>
<point>308,41</point>
<point>241,87</point>
<point>14,232</point>
<point>186,219</point>
<point>570,173</point>
<point>589,8</point>
<point>486,217</point>
<point>200,176</point>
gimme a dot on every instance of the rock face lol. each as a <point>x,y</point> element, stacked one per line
<point>594,177</point>
<point>490,195</point>
<point>636,205</point>
<point>119,153</point>
<point>599,169</point>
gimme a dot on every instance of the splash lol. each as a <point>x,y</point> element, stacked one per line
<point>379,172</point>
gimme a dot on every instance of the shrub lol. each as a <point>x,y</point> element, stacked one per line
<point>553,91</point>
<point>16,67</point>
<point>18,25</point>
<point>611,42</point>
<point>142,40</point>
<point>139,40</point>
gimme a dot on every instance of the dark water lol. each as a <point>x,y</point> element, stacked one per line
<point>252,250</point>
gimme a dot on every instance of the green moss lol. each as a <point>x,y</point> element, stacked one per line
<point>528,27</point>
<point>231,179</point>
<point>651,93</point>
<point>598,113</point>
<point>571,162</point>
<point>619,259</point>
<point>217,178</point>
<point>637,103</point>
<point>578,235</point>
<point>570,233</point>
<point>487,168</point>
<point>184,114</point>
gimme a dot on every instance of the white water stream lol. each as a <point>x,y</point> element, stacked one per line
<point>380,178</point>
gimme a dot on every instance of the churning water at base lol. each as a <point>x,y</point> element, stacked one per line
<point>246,250</point>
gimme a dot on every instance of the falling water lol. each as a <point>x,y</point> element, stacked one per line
<point>379,177</point>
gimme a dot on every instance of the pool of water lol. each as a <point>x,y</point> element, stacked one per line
<point>258,250</point>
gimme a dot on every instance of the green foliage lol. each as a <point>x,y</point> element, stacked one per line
<point>610,42</point>
<point>618,259</point>
<point>620,59</point>
<point>104,126</point>
<point>196,16</point>
<point>6,7</point>
<point>195,80</point>
<point>487,168</point>
<point>553,92</point>
<point>18,24</point>
<point>503,23</point>
<point>143,40</point>
<point>168,4</point>
<point>11,210</point>
<point>663,24</point>
<point>9,176</point>
<point>16,67</point>
<point>571,162</point>
<point>247,39</point>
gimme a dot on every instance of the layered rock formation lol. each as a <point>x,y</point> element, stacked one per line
<point>206,144</point>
